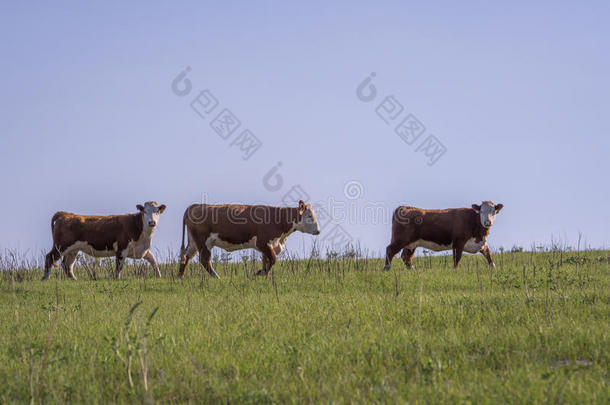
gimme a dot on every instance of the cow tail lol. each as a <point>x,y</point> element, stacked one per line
<point>183,226</point>
<point>55,217</point>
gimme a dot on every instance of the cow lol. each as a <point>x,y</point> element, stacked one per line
<point>458,229</point>
<point>121,236</point>
<point>234,227</point>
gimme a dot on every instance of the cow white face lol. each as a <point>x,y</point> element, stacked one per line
<point>151,211</point>
<point>487,212</point>
<point>308,222</point>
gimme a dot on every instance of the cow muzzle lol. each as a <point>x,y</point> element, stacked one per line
<point>152,224</point>
<point>487,224</point>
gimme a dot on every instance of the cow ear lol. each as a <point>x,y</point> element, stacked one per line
<point>476,207</point>
<point>139,207</point>
<point>499,207</point>
<point>162,208</point>
<point>301,206</point>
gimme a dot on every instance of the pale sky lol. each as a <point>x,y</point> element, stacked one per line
<point>518,95</point>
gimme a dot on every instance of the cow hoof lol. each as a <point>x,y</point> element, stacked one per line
<point>386,267</point>
<point>261,272</point>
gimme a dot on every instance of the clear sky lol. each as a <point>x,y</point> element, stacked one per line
<point>517,93</point>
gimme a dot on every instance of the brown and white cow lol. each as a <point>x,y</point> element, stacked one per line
<point>458,229</point>
<point>234,227</point>
<point>121,236</point>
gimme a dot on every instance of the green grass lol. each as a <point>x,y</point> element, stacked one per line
<point>534,330</point>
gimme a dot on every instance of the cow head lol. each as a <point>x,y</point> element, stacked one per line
<point>307,221</point>
<point>487,212</point>
<point>150,213</point>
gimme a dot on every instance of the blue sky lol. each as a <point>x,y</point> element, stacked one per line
<point>517,93</point>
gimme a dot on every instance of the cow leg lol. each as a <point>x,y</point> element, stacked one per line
<point>485,251</point>
<point>458,248</point>
<point>205,257</point>
<point>50,259</point>
<point>265,262</point>
<point>390,252</point>
<point>407,257</point>
<point>278,249</point>
<point>186,255</point>
<point>150,258</point>
<point>120,262</point>
<point>269,259</point>
<point>68,264</point>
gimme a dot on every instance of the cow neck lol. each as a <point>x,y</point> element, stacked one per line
<point>292,218</point>
<point>140,228</point>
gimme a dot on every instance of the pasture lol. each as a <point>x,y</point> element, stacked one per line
<point>338,330</point>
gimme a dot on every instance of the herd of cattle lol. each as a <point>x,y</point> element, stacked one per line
<point>264,228</point>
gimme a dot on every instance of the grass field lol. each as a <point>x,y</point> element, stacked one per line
<point>534,330</point>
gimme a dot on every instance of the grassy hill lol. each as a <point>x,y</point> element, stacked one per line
<point>535,329</point>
